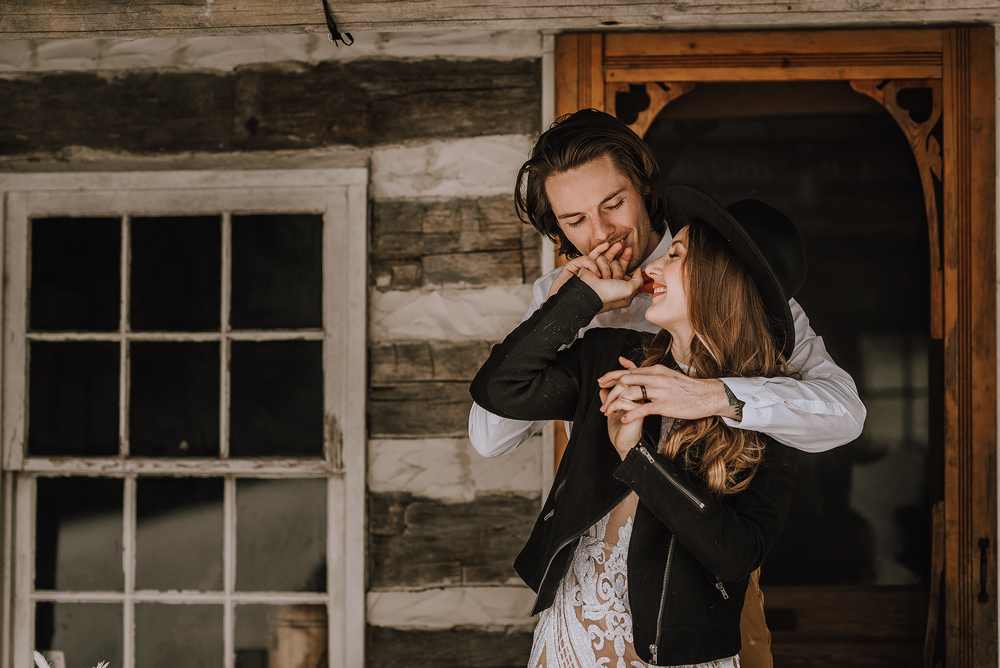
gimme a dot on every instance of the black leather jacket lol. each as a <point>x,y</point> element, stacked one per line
<point>691,553</point>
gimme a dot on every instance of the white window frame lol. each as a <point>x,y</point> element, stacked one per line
<point>340,195</point>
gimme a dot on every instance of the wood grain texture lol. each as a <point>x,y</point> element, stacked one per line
<point>272,107</point>
<point>876,653</point>
<point>410,361</point>
<point>842,626</point>
<point>416,542</point>
<point>62,18</point>
<point>769,56</point>
<point>455,648</point>
<point>419,409</point>
<point>477,241</point>
<point>970,347</point>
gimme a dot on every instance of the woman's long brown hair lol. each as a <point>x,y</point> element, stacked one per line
<point>732,338</point>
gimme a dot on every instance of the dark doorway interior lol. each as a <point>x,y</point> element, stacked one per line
<point>837,164</point>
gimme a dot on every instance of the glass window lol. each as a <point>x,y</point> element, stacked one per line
<point>171,456</point>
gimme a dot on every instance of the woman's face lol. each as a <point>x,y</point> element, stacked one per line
<point>669,309</point>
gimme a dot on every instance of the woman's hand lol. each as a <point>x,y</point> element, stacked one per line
<point>623,434</point>
<point>670,393</point>
<point>603,269</point>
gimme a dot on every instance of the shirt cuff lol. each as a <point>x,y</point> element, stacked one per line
<point>758,402</point>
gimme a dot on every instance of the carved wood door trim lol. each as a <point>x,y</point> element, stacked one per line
<point>957,64</point>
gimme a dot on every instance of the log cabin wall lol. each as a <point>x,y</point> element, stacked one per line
<point>442,121</point>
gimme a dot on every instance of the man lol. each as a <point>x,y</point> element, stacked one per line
<point>590,185</point>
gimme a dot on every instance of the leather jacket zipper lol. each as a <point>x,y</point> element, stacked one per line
<point>686,492</point>
<point>655,647</point>
<point>566,542</point>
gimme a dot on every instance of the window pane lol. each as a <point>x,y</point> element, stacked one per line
<point>85,633</point>
<point>174,405</point>
<point>277,271</point>
<point>75,274</point>
<point>281,535</point>
<point>176,273</point>
<point>78,534</point>
<point>272,636</point>
<point>179,533</point>
<point>73,398</point>
<point>168,636</point>
<point>276,399</point>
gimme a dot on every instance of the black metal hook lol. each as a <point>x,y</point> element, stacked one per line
<point>332,26</point>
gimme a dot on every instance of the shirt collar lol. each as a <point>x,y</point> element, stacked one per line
<point>660,250</point>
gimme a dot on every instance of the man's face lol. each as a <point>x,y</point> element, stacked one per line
<point>595,203</point>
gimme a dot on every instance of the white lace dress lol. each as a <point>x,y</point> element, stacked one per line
<point>590,623</point>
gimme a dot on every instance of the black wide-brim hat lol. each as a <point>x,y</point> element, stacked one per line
<point>764,239</point>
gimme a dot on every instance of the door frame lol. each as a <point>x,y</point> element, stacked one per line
<point>591,68</point>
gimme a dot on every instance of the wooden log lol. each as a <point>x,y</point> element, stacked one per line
<point>409,361</point>
<point>409,228</point>
<point>423,542</point>
<point>23,19</point>
<point>456,648</point>
<point>531,253</point>
<point>453,270</point>
<point>469,241</point>
<point>419,409</point>
<point>270,107</point>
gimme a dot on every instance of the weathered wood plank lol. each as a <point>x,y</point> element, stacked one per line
<point>531,253</point>
<point>409,361</point>
<point>455,648</point>
<point>270,107</point>
<point>422,542</point>
<point>196,53</point>
<point>411,228</point>
<point>61,18</point>
<point>469,241</point>
<point>452,270</point>
<point>419,409</point>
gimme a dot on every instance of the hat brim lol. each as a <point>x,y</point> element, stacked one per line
<point>685,204</point>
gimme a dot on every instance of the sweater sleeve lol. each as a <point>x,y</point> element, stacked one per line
<point>730,538</point>
<point>529,376</point>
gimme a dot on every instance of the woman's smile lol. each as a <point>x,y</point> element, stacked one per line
<point>668,307</point>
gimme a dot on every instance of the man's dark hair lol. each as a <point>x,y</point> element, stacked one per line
<point>572,141</point>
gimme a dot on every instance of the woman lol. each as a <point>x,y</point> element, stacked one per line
<point>629,584</point>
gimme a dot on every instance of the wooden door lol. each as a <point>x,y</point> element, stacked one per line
<point>954,150</point>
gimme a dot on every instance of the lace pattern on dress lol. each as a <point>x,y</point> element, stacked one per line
<point>589,625</point>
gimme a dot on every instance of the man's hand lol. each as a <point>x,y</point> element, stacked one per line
<point>603,269</point>
<point>670,394</point>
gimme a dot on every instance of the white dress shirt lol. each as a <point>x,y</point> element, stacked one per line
<point>816,413</point>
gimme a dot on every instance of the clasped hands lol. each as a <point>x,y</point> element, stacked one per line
<point>603,269</point>
<point>629,394</point>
